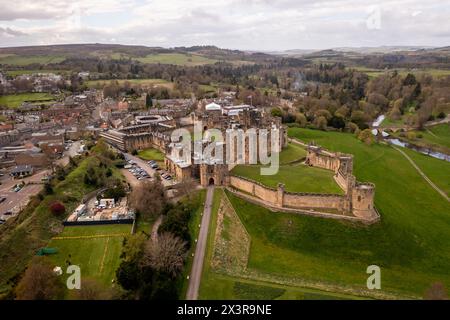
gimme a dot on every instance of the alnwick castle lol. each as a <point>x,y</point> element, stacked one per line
<point>155,130</point>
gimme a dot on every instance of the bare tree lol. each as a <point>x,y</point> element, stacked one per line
<point>39,282</point>
<point>167,254</point>
<point>186,186</point>
<point>148,198</point>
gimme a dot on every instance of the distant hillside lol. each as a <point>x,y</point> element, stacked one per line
<point>189,56</point>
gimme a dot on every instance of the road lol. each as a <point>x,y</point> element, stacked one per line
<point>72,152</point>
<point>16,201</point>
<point>200,250</point>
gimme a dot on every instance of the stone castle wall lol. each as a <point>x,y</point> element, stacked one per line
<point>280,198</point>
<point>358,199</point>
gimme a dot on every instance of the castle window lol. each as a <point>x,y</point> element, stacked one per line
<point>359,198</point>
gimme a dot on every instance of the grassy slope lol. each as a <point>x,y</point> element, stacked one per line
<point>436,170</point>
<point>15,100</point>
<point>177,59</point>
<point>19,60</point>
<point>411,244</point>
<point>219,286</point>
<point>297,178</point>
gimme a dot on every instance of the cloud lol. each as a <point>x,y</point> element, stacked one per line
<point>251,24</point>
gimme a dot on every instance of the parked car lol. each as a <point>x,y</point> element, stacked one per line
<point>7,213</point>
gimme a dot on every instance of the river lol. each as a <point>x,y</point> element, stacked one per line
<point>400,143</point>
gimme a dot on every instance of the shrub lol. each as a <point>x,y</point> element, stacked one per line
<point>57,208</point>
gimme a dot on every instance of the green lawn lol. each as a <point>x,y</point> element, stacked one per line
<point>436,170</point>
<point>292,152</point>
<point>15,100</point>
<point>296,178</point>
<point>151,154</point>
<point>97,257</point>
<point>177,59</point>
<point>411,243</point>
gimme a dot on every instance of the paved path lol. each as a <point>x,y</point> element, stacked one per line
<point>442,193</point>
<point>155,228</point>
<point>197,265</point>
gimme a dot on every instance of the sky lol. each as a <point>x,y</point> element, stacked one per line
<point>265,25</point>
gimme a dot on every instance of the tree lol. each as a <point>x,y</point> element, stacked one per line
<point>276,112</point>
<point>165,255</point>
<point>149,198</point>
<point>186,186</point>
<point>57,208</point>
<point>300,119</point>
<point>320,122</point>
<point>366,136</point>
<point>148,100</point>
<point>437,291</point>
<point>39,282</point>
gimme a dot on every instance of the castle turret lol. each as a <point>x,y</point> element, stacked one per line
<point>363,200</point>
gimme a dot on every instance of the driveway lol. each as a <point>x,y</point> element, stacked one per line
<point>200,250</point>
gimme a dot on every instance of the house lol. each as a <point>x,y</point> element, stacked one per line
<point>22,171</point>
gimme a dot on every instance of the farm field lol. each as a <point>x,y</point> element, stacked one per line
<point>373,73</point>
<point>177,59</point>
<point>15,100</point>
<point>296,178</point>
<point>18,60</point>
<point>95,249</point>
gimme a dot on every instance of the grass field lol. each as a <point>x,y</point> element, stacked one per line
<point>215,285</point>
<point>373,73</point>
<point>97,257</point>
<point>15,100</point>
<point>18,60</point>
<point>411,243</point>
<point>297,177</point>
<point>151,154</point>
<point>143,82</point>
<point>177,59</point>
